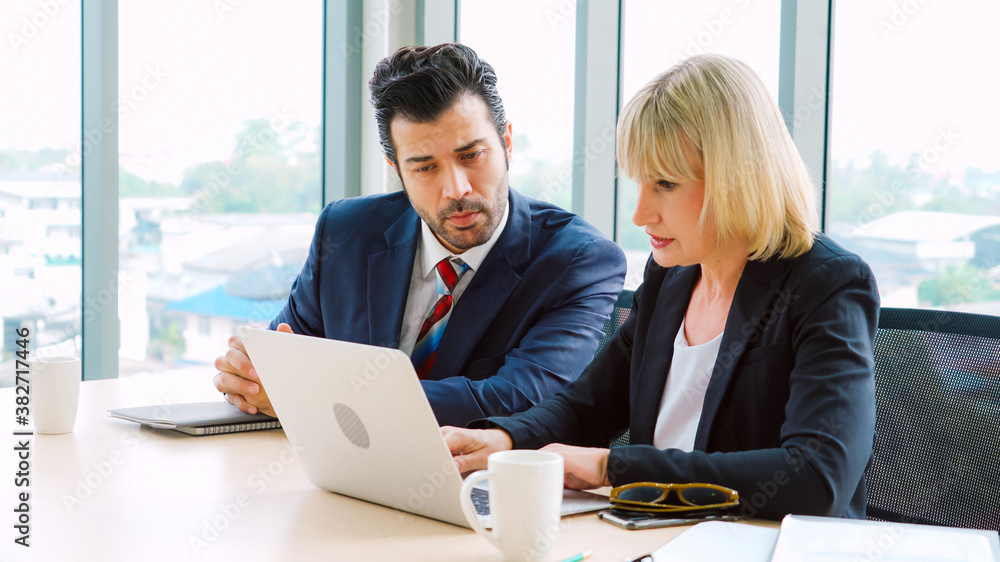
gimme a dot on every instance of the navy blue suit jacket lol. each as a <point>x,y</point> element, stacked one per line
<point>527,324</point>
<point>789,413</point>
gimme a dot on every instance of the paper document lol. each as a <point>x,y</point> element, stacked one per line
<point>719,540</point>
<point>832,539</point>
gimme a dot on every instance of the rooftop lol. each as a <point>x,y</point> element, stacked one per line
<point>273,246</point>
<point>42,189</point>
<point>925,226</point>
<point>217,302</point>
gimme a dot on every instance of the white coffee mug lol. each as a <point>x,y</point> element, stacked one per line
<point>526,489</point>
<point>55,393</point>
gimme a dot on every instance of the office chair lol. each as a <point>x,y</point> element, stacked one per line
<point>623,307</point>
<point>937,442</point>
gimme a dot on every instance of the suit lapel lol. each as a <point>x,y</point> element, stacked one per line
<point>671,304</point>
<point>389,274</point>
<point>492,284</point>
<point>754,294</point>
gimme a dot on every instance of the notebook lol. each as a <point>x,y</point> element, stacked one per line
<point>197,418</point>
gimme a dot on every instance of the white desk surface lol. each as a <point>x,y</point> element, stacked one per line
<point>113,490</point>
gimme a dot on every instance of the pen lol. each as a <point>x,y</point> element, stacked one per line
<point>578,557</point>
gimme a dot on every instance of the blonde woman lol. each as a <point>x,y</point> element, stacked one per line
<point>747,359</point>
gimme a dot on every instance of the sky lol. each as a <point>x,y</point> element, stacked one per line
<point>534,78</point>
<point>40,73</point>
<point>190,74</point>
<point>909,75</point>
<point>906,71</point>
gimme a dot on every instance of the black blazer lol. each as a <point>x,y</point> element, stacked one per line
<point>789,413</point>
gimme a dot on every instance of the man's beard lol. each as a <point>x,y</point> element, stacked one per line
<point>471,236</point>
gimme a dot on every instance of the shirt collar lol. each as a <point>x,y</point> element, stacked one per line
<point>431,250</point>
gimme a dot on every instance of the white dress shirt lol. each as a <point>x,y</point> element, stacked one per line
<point>422,294</point>
<point>684,393</point>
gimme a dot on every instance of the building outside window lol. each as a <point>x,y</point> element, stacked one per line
<point>914,180</point>
<point>40,191</point>
<point>219,170</point>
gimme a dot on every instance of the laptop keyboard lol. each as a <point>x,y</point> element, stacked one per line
<point>481,500</point>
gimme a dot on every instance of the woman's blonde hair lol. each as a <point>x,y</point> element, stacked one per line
<point>709,118</point>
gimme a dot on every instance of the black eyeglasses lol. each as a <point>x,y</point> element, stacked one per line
<point>656,497</point>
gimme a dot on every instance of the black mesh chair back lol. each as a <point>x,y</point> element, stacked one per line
<point>937,443</point>
<point>623,307</point>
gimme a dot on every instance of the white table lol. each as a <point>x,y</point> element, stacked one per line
<point>112,490</point>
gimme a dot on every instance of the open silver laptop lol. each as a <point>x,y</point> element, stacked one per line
<point>359,418</point>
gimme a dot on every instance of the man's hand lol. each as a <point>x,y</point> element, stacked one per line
<point>584,467</point>
<point>471,447</point>
<point>238,380</point>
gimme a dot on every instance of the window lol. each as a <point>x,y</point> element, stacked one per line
<point>220,106</point>
<point>40,179</point>
<point>219,169</point>
<point>658,34</point>
<point>531,45</point>
<point>914,180</point>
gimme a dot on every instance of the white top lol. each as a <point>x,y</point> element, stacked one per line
<point>422,294</point>
<point>684,393</point>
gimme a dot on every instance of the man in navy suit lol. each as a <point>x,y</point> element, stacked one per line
<point>499,299</point>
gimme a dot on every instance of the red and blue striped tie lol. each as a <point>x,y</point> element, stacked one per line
<point>449,271</point>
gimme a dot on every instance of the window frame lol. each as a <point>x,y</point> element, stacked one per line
<point>351,160</point>
<point>100,327</point>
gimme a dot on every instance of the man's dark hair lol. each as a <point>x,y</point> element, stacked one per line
<point>420,83</point>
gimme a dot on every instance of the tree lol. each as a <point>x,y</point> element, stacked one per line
<point>16,160</point>
<point>267,173</point>
<point>131,185</point>
<point>857,196</point>
<point>957,284</point>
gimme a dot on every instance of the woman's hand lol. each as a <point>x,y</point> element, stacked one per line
<point>471,447</point>
<point>584,467</point>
